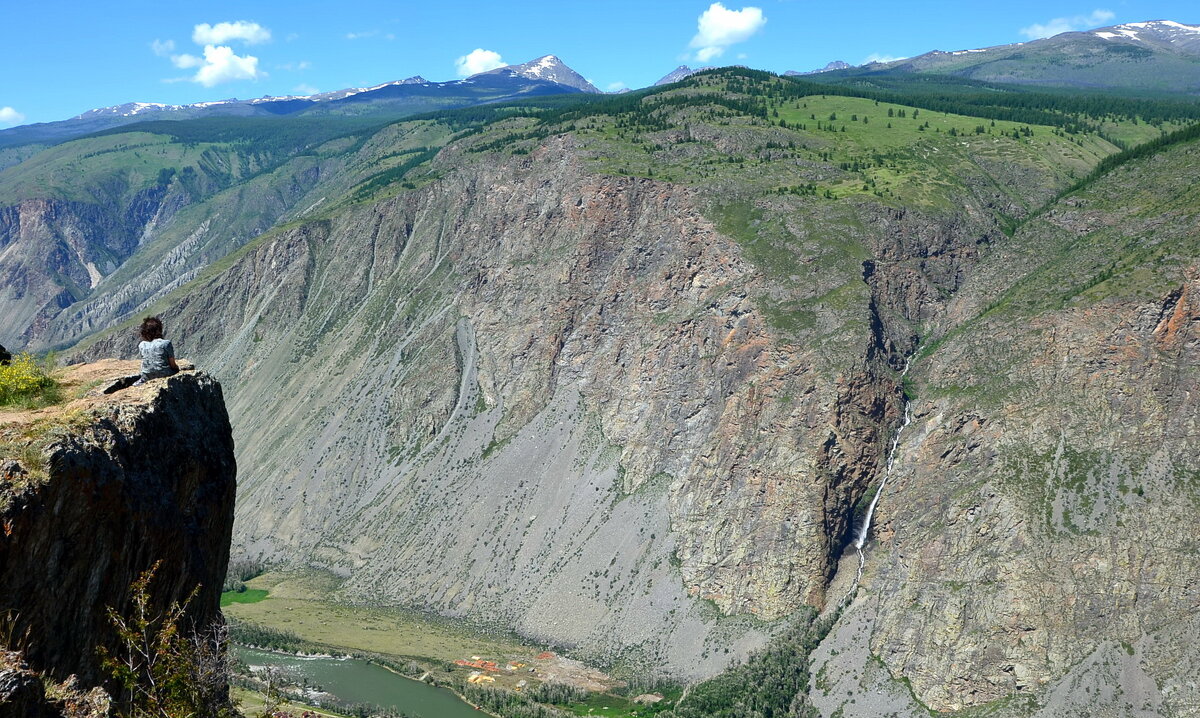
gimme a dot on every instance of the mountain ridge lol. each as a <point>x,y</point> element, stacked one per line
<point>833,65</point>
<point>544,75</point>
<point>1160,56</point>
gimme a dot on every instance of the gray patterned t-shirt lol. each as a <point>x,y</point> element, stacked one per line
<point>155,355</point>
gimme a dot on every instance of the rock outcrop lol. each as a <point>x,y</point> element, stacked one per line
<point>95,493</point>
<point>1042,519</point>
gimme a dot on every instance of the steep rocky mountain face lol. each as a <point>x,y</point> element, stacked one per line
<point>622,379</point>
<point>65,237</point>
<point>1159,56</point>
<point>1043,520</point>
<point>107,488</point>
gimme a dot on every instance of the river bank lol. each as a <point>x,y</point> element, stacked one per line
<point>330,682</point>
<point>296,618</point>
<point>242,651</point>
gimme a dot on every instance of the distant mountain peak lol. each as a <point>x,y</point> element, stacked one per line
<point>130,109</point>
<point>679,73</point>
<point>547,68</point>
<point>835,65</point>
<point>1157,56</point>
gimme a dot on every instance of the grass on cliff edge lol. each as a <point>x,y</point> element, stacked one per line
<point>28,444</point>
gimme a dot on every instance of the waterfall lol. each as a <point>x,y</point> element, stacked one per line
<point>861,539</point>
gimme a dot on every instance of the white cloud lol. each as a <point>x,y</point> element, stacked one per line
<point>881,57</point>
<point>219,64</point>
<point>304,89</point>
<point>294,66</point>
<point>186,61</point>
<point>1060,25</point>
<point>250,33</point>
<point>614,86</point>
<point>719,27</point>
<point>477,61</point>
<point>369,33</point>
<point>10,117</point>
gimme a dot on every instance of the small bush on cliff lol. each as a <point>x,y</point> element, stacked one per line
<point>164,672</point>
<point>25,383</point>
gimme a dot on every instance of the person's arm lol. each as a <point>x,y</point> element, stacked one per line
<point>170,353</point>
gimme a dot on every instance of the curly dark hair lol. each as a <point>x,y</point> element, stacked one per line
<point>152,329</point>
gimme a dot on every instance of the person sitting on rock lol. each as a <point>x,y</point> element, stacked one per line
<point>158,355</point>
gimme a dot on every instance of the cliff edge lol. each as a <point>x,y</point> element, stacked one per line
<point>96,491</point>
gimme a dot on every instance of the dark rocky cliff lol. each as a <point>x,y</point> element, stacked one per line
<point>119,483</point>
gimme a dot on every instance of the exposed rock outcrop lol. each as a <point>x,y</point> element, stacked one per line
<point>109,486</point>
<point>1043,515</point>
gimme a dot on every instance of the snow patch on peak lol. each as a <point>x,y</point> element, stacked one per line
<point>1156,25</point>
<point>139,107</point>
<point>1168,30</point>
<point>1179,26</point>
<point>547,68</point>
<point>130,109</point>
<point>539,67</point>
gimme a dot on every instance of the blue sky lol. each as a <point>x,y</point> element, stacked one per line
<point>61,58</point>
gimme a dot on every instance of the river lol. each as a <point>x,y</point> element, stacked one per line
<point>358,681</point>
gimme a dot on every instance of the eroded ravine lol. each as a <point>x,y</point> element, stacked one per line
<point>864,530</point>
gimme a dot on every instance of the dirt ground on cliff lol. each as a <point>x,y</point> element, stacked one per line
<point>82,386</point>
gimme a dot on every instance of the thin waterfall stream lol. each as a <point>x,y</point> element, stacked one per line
<point>861,538</point>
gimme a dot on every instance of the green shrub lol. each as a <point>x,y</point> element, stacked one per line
<point>24,382</point>
<point>162,671</point>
